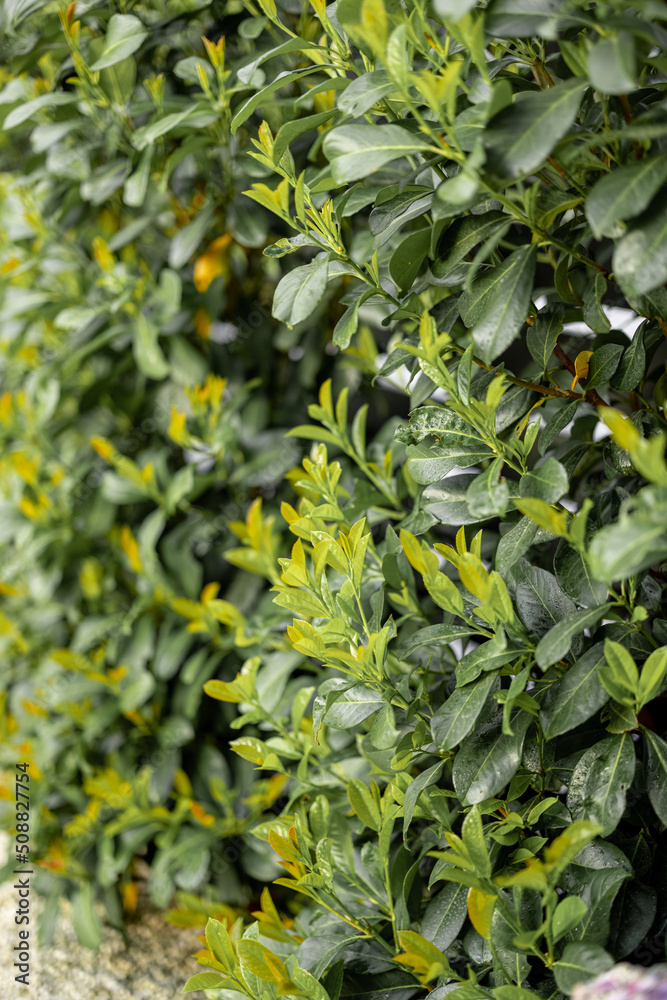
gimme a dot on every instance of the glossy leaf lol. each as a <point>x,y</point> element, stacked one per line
<point>521,136</point>
<point>600,781</point>
<point>488,759</point>
<point>506,311</point>
<point>454,720</point>
<point>640,257</point>
<point>125,34</point>
<point>357,150</point>
<point>299,292</point>
<point>540,601</point>
<point>576,696</point>
<point>579,963</point>
<point>558,640</point>
<point>624,193</point>
<point>444,916</point>
<point>655,761</point>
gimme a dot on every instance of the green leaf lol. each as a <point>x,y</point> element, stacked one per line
<point>415,788</point>
<point>655,764</point>
<point>290,131</point>
<point>574,576</point>
<point>364,92</point>
<point>630,371</point>
<point>579,963</point>
<point>245,73</point>
<point>459,444</point>
<point>346,326</point>
<point>187,240</point>
<point>317,953</point>
<point>472,834</point>
<point>447,500</point>
<point>455,718</point>
<point>603,364</point>
<point>136,185</point>
<point>453,10</point>
<point>596,317</point>
<point>125,33</point>
<point>180,486</point>
<point>619,675</point>
<point>561,418</point>
<point>640,257</point>
<point>566,916</point>
<point>463,236</point>
<point>542,336</point>
<point>27,109</point>
<point>487,656</point>
<point>146,136</point>
<point>514,544</point>
<point>488,496</point>
<point>445,915</point>
<point>433,635</point>
<point>540,602</point>
<point>520,137</point>
<point>364,805</point>
<point>488,759</point>
<point>600,781</point>
<point>387,216</point>
<point>288,76</point>
<point>506,309</point>
<point>509,18</point>
<point>548,481</point>
<point>352,707</point>
<point>652,679</point>
<point>147,351</point>
<point>408,258</point>
<point>556,643</point>
<point>624,193</point>
<point>356,151</point>
<point>598,889</point>
<point>299,292</point>
<point>513,992</point>
<point>219,943</point>
<point>85,920</point>
<point>576,696</point>
<point>632,915</point>
<point>635,542</point>
<point>612,65</point>
<point>384,985</point>
<point>203,981</point>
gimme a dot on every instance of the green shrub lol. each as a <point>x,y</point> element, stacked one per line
<point>478,774</point>
<point>145,394</point>
<point>453,694</point>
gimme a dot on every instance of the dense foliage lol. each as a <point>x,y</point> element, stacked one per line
<point>145,396</point>
<point>454,690</point>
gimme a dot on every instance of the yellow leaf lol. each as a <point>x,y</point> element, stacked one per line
<point>222,691</point>
<point>103,448</point>
<point>176,430</point>
<point>581,366</point>
<point>543,514</point>
<point>413,551</point>
<point>211,263</point>
<point>201,815</point>
<point>202,324</point>
<point>480,911</point>
<point>103,254</point>
<point>129,545</point>
<point>623,431</point>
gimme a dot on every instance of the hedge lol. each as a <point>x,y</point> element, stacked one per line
<point>448,649</point>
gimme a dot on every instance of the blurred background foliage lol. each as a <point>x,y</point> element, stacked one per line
<point>145,395</point>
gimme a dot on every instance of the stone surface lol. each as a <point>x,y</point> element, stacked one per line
<point>155,966</point>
